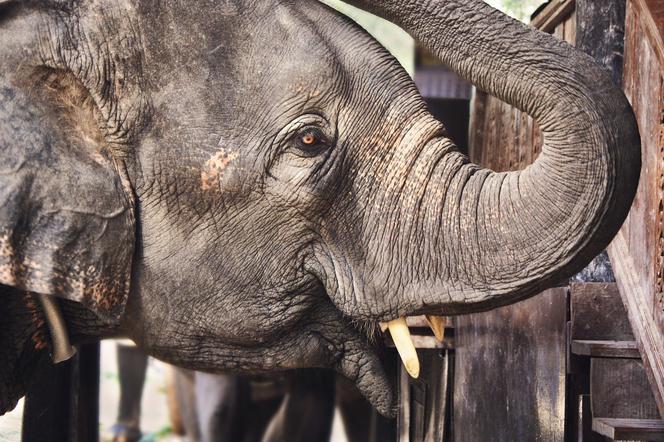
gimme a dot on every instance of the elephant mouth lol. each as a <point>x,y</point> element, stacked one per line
<point>370,368</point>
<point>359,340</point>
<point>364,361</point>
<point>354,347</point>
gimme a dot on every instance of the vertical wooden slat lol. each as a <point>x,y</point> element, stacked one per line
<point>63,402</point>
<point>510,382</point>
<point>638,251</point>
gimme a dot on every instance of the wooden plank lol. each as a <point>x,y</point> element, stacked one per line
<point>436,415</point>
<point>403,417</point>
<point>423,402</point>
<point>619,388</point>
<point>606,349</point>
<point>658,252</point>
<point>648,335</point>
<point>651,16</point>
<point>553,14</point>
<point>584,432</point>
<point>63,401</point>
<point>630,429</point>
<point>510,375</point>
<point>570,28</point>
<point>598,313</point>
<point>477,120</point>
<point>637,253</point>
<point>421,322</point>
<point>600,30</point>
<point>424,342</point>
<point>559,31</point>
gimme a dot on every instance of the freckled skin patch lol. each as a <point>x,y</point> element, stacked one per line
<point>38,337</point>
<point>214,169</point>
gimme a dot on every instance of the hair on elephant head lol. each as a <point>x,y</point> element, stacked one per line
<point>249,185</point>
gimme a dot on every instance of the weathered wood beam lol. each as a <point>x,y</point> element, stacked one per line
<point>600,32</point>
<point>553,14</point>
<point>647,333</point>
<point>651,14</point>
<point>630,429</point>
<point>63,402</point>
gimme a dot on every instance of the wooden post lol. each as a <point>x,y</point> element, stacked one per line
<point>637,252</point>
<point>63,402</point>
<point>600,33</point>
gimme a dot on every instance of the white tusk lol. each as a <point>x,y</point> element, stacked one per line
<point>437,324</point>
<point>383,326</point>
<point>405,347</point>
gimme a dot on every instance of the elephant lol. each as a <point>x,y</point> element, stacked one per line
<point>216,407</point>
<point>254,186</point>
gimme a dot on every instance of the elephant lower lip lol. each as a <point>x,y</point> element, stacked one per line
<point>370,378</point>
<point>359,346</point>
<point>361,363</point>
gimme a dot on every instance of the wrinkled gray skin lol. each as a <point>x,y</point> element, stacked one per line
<point>155,169</point>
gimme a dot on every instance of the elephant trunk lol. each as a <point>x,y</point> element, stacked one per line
<point>496,238</point>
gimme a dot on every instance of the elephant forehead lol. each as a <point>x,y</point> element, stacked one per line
<point>290,56</point>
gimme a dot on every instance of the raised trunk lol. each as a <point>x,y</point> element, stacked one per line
<point>500,237</point>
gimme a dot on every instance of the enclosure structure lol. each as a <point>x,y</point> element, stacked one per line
<point>637,252</point>
<point>568,361</point>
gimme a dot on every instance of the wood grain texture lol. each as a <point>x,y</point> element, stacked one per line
<point>598,313</point>
<point>553,14</point>
<point>637,253</point>
<point>423,402</point>
<point>510,375</point>
<point>645,329</point>
<point>630,429</point>
<point>601,29</point>
<point>651,16</point>
<point>619,388</point>
<point>606,349</point>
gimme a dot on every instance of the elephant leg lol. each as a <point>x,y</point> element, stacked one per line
<point>307,411</point>
<point>221,403</point>
<point>184,386</point>
<point>132,364</point>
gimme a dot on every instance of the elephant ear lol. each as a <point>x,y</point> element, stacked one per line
<point>66,208</point>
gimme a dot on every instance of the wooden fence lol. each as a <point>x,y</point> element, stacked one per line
<point>503,138</point>
<point>637,253</point>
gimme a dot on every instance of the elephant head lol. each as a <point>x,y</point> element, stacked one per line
<point>251,185</point>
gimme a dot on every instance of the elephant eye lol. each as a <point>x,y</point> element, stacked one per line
<point>311,141</point>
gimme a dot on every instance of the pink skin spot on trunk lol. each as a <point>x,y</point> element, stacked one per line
<point>214,168</point>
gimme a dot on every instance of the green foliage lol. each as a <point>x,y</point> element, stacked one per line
<point>157,436</point>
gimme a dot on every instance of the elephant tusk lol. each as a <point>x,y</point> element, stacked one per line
<point>62,348</point>
<point>437,324</point>
<point>404,344</point>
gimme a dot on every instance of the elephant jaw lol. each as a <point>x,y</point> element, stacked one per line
<point>366,370</point>
<point>362,365</point>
